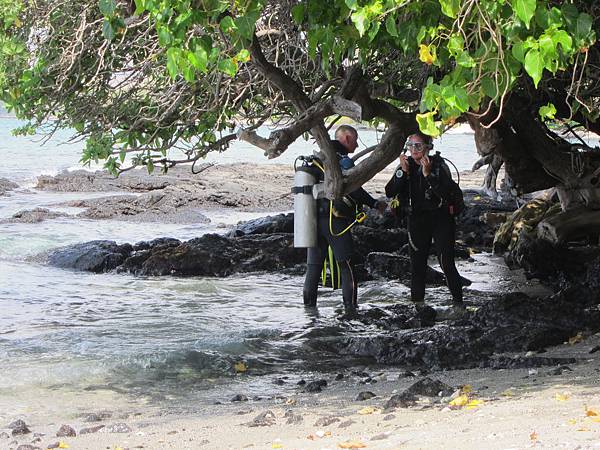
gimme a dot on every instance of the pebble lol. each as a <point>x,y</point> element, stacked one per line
<point>91,430</point>
<point>326,421</point>
<point>117,428</point>
<point>19,427</point>
<point>365,395</point>
<point>66,431</point>
<point>239,398</point>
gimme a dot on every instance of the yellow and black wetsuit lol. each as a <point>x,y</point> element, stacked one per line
<point>330,225</point>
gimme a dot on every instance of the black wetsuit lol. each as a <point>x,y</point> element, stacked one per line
<point>423,199</point>
<point>342,246</point>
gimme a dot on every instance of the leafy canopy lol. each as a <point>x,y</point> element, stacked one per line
<point>144,78</point>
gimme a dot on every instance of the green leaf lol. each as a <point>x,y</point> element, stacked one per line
<point>534,65</point>
<point>298,13</point>
<point>172,61</point>
<point>352,4</point>
<point>164,36</point>
<point>390,25</point>
<point>122,155</point>
<point>465,60</point>
<point>525,9</point>
<point>228,66</point>
<point>427,124</point>
<point>562,37</point>
<point>361,21</point>
<point>373,31</point>
<point>450,7</point>
<point>246,24</point>
<point>456,44</point>
<point>584,26</point>
<point>518,51</point>
<point>107,7</point>
<point>547,112</point>
<point>140,7</point>
<point>547,48</point>
<point>489,87</point>
<point>198,59</point>
<point>107,30</point>
<point>150,165</point>
<point>227,25</point>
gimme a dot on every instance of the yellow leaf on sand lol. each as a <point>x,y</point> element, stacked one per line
<point>562,397</point>
<point>62,444</point>
<point>240,367</point>
<point>474,404</point>
<point>351,444</point>
<point>591,412</point>
<point>425,54</point>
<point>369,410</point>
<point>572,421</point>
<point>533,436</point>
<point>461,400</point>
<point>276,445</point>
<point>583,429</point>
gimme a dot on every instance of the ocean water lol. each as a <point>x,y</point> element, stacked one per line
<point>168,339</point>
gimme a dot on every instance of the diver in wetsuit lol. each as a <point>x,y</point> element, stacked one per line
<point>422,183</point>
<point>342,215</point>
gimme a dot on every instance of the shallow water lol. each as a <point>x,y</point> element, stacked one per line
<point>84,337</point>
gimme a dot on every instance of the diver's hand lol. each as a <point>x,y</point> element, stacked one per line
<point>426,165</point>
<point>404,163</point>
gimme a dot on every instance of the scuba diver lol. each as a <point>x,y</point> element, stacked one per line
<point>334,221</point>
<point>424,187</point>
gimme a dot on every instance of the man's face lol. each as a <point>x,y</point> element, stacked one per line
<point>417,147</point>
<point>350,141</point>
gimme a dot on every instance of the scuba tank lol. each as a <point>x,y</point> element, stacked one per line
<point>305,204</point>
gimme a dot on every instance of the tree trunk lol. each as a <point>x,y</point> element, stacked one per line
<point>570,225</point>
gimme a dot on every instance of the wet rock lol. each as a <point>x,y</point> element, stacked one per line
<point>97,417</point>
<point>560,370</point>
<point>93,256</point>
<point>7,186</point>
<point>402,400</point>
<point>291,418</point>
<point>339,376</point>
<point>279,381</point>
<point>428,387</point>
<point>315,386</point>
<point>91,430</point>
<point>595,349</point>
<point>281,223</point>
<point>66,431</point>
<point>391,266</point>
<point>301,383</point>
<point>161,242</point>
<point>346,423</point>
<point>365,395</point>
<point>4,435</point>
<point>117,428</point>
<point>239,398</point>
<point>407,373</point>
<point>265,419</point>
<point>19,427</point>
<point>380,437</point>
<point>54,445</point>
<point>35,215</point>
<point>326,421</point>
<point>525,362</point>
<point>389,417</point>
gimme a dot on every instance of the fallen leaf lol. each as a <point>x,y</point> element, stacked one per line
<point>240,367</point>
<point>460,401</point>
<point>467,388</point>
<point>62,444</point>
<point>508,393</point>
<point>369,410</point>
<point>533,436</point>
<point>563,397</point>
<point>591,412</point>
<point>595,419</point>
<point>572,421</point>
<point>583,429</point>
<point>351,444</point>
<point>276,445</point>
<point>290,401</point>
<point>474,404</point>
<point>477,197</point>
<point>576,339</point>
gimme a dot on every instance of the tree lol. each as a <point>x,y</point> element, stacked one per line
<point>150,77</point>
